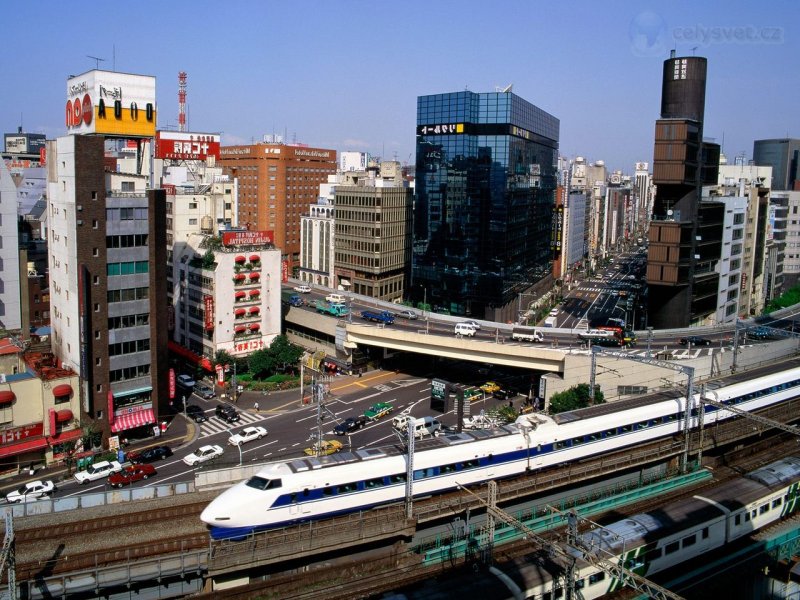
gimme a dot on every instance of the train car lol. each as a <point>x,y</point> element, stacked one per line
<point>298,490</point>
<point>647,543</point>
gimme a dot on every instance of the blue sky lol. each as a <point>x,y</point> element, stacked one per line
<point>346,74</point>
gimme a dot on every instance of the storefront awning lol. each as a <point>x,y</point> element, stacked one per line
<point>240,294</point>
<point>239,277</point>
<point>7,397</point>
<point>131,420</point>
<point>255,292</point>
<point>239,312</point>
<point>240,259</point>
<point>26,446</point>
<point>255,326</point>
<point>255,258</point>
<point>254,310</point>
<point>187,354</point>
<point>63,415</point>
<point>62,390</point>
<point>255,275</point>
<point>65,436</point>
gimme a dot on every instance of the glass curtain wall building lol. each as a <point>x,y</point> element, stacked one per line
<point>485,184</point>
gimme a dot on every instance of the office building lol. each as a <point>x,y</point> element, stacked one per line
<point>10,290</point>
<point>685,234</point>
<point>788,203</point>
<point>107,255</point>
<point>277,182</point>
<point>783,155</point>
<point>485,197</point>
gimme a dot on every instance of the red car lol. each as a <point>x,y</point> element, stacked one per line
<point>130,474</point>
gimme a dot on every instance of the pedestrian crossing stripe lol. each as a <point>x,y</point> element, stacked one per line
<point>215,425</point>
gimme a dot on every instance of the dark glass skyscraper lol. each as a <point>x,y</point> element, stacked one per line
<point>485,193</point>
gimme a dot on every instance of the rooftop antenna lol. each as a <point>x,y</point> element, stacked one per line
<point>97,60</point>
<point>693,50</point>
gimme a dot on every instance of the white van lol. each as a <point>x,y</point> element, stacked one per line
<point>335,298</point>
<point>422,426</point>
<point>464,329</point>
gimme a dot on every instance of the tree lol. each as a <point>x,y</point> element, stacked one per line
<point>281,355</point>
<point>574,398</point>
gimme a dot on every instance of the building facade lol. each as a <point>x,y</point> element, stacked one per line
<point>10,290</point>
<point>317,250</point>
<point>485,185</point>
<point>277,182</point>
<point>790,202</point>
<point>783,155</point>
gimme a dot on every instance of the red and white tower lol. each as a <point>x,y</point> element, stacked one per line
<point>182,101</point>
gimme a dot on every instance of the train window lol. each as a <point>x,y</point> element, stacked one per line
<point>747,517</point>
<point>596,577</point>
<point>705,533</point>
<point>689,541</point>
<point>424,473</point>
<point>398,478</point>
<point>654,422</point>
<point>577,441</point>
<point>593,437</point>
<point>776,503</point>
<point>260,483</point>
<point>670,418</point>
<point>346,488</point>
<point>642,425</point>
<point>654,554</point>
<point>625,429</point>
<point>293,498</point>
<point>327,491</point>
<point>558,445</point>
<point>672,548</point>
<point>738,520</point>
<point>610,433</point>
<point>447,468</point>
<point>305,492</point>
<point>753,514</point>
<point>373,483</point>
<point>763,508</point>
<point>471,464</point>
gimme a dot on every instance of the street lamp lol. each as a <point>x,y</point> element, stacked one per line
<point>649,339</point>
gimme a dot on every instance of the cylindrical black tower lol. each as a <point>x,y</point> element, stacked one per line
<point>683,88</point>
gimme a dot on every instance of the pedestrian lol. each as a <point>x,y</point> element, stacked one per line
<point>255,406</point>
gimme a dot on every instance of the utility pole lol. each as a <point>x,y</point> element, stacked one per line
<point>410,467</point>
<point>7,558</point>
<point>735,344</point>
<point>649,339</point>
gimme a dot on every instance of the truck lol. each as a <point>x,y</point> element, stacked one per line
<point>383,316</point>
<point>526,334</point>
<point>422,426</point>
<point>550,322</point>
<point>331,308</point>
<point>290,299</point>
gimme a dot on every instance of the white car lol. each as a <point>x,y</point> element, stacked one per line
<point>302,289</point>
<point>98,470</point>
<point>408,314</point>
<point>474,324</point>
<point>33,490</point>
<point>203,454</point>
<point>248,434</point>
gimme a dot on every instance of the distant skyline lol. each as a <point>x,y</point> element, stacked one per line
<point>346,74</point>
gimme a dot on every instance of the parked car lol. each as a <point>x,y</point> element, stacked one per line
<point>376,411</point>
<point>33,490</point>
<point>350,425</point>
<point>150,455</point>
<point>227,413</point>
<point>302,289</point>
<point>326,447</point>
<point>474,324</point>
<point>131,474</point>
<point>98,470</point>
<point>248,434</point>
<point>196,414</point>
<point>186,381</point>
<point>407,314</point>
<point>203,454</point>
<point>204,391</point>
<point>695,340</point>
<point>490,387</point>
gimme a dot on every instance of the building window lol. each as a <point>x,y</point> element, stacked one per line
<point>128,186</point>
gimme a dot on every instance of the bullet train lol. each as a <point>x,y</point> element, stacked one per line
<point>298,490</point>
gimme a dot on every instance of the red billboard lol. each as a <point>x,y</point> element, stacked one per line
<point>284,271</point>
<point>208,308</point>
<point>247,238</point>
<point>171,384</point>
<point>19,434</point>
<point>177,145</point>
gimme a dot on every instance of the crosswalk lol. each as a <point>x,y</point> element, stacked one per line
<point>215,425</point>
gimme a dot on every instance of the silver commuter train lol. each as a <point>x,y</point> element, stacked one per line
<point>685,529</point>
<point>282,493</point>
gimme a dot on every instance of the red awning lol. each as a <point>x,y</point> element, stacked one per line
<point>62,390</point>
<point>131,420</point>
<point>254,310</point>
<point>65,436</point>
<point>255,258</point>
<point>188,354</point>
<point>240,259</point>
<point>255,326</point>
<point>240,294</point>
<point>239,328</point>
<point>26,446</point>
<point>239,312</point>
<point>63,415</point>
<point>255,275</point>
<point>239,277</point>
<point>7,397</point>
<point>255,292</point>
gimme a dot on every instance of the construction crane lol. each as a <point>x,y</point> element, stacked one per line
<point>570,552</point>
